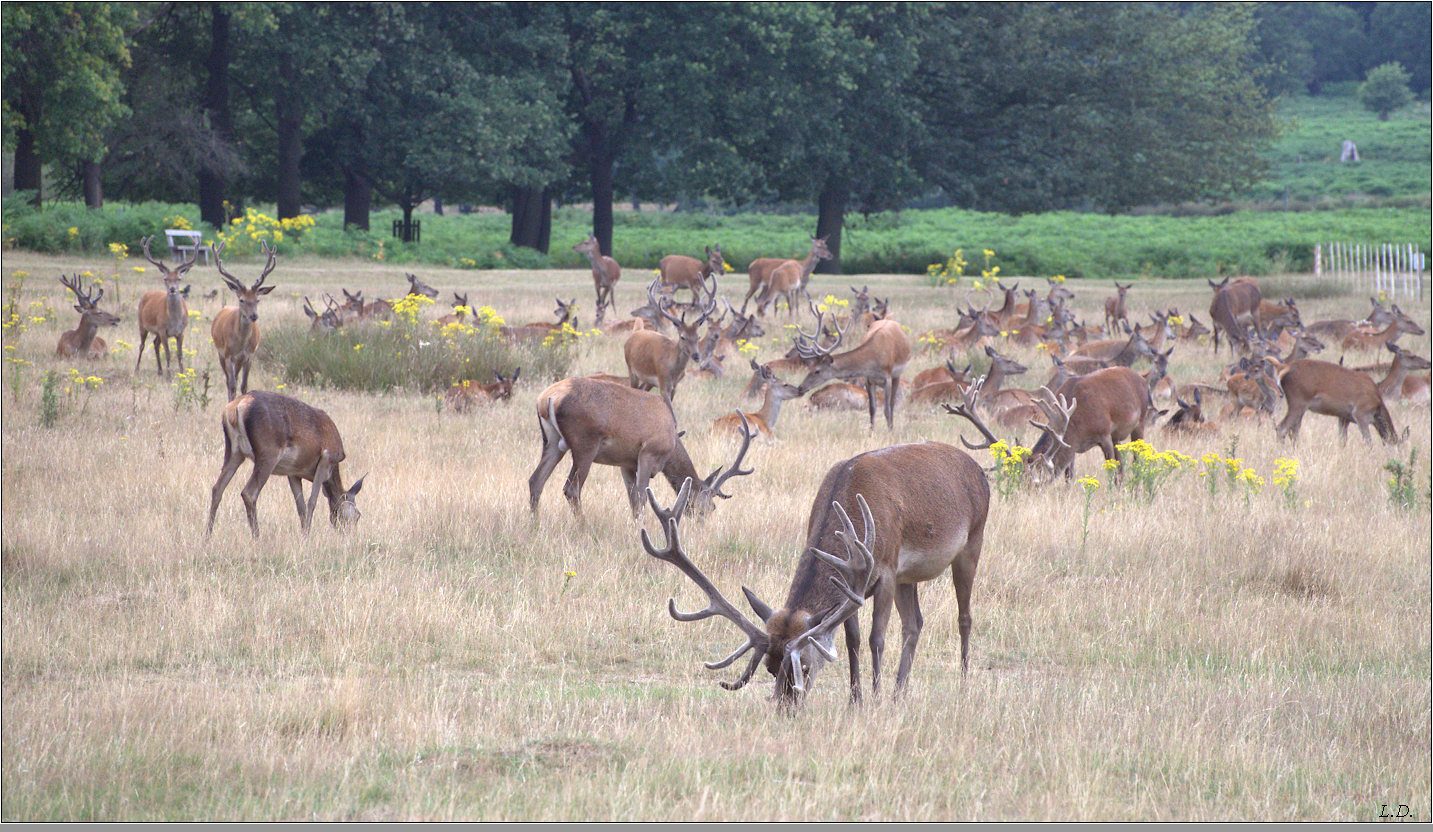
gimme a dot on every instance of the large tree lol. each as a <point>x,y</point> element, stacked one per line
<point>62,86</point>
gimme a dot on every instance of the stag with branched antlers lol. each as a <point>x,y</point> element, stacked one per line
<point>603,423</point>
<point>653,359</point>
<point>236,328</point>
<point>923,509</point>
<point>878,360</point>
<point>163,313</point>
<point>83,340</point>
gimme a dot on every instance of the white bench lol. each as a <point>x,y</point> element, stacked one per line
<point>182,242</point>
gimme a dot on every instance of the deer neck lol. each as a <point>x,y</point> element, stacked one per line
<point>1127,355</point>
<point>85,334</point>
<point>1393,382</point>
<point>996,379</point>
<point>771,406</point>
<point>175,310</point>
<point>679,467</point>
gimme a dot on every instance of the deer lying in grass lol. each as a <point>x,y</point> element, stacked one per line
<point>418,287</point>
<point>1117,352</point>
<point>607,424</point>
<point>537,331</point>
<point>654,360</point>
<point>164,314</point>
<point>605,274</point>
<point>1393,386</point>
<point>355,309</point>
<point>460,312</point>
<point>764,420</point>
<point>1400,324</point>
<point>465,396</point>
<point>1336,330</point>
<point>771,276</point>
<point>83,340</point>
<point>1234,309</point>
<point>681,271</point>
<point>1331,390</point>
<point>879,360</point>
<point>236,329</point>
<point>331,319</point>
<point>1252,389</point>
<point>1189,419</point>
<point>284,438</point>
<point>923,509</point>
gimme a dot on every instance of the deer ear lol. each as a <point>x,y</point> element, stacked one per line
<point>356,487</point>
<point>515,374</point>
<point>266,290</point>
<point>757,605</point>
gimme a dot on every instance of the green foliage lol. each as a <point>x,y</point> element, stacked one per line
<point>50,399</point>
<point>1385,90</point>
<point>1401,490</point>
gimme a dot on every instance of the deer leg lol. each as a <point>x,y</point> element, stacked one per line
<point>263,469</point>
<point>296,485</point>
<point>158,365</point>
<point>908,605</point>
<point>893,383</point>
<point>552,454</point>
<point>232,461</point>
<point>853,655</point>
<point>881,600</point>
<point>178,348</point>
<point>871,402</point>
<point>143,337</point>
<point>321,476</point>
<point>244,388</point>
<point>581,466</point>
<point>962,574</point>
<point>631,478</point>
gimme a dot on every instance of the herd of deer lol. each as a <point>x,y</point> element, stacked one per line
<point>922,507</point>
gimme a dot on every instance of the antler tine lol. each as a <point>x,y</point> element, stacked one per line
<point>679,507</point>
<point>657,304</point>
<point>808,345</point>
<point>736,470</point>
<point>232,281</point>
<point>75,286</point>
<point>273,253</point>
<point>717,604</point>
<point>857,568</point>
<point>144,244</point>
<point>967,410</point>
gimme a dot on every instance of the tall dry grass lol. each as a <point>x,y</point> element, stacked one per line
<point>1205,657</point>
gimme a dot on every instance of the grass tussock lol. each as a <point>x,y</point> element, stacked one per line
<point>1213,649</point>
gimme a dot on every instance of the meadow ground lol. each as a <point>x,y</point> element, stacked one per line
<point>1211,654</point>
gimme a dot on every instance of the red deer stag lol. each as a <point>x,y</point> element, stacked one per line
<point>330,320</point>
<point>83,340</point>
<point>681,271</point>
<point>605,274</point>
<point>1102,409</point>
<point>164,313</point>
<point>607,424</point>
<point>1235,307</point>
<point>236,329</point>
<point>284,438</point>
<point>923,509</point>
<point>654,360</point>
<point>879,360</point>
<point>772,276</point>
<point>1345,394</point>
<point>764,420</point>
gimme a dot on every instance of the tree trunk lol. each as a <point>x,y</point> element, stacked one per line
<point>600,159</point>
<point>216,105</point>
<point>407,231</point>
<point>831,215</point>
<point>357,197</point>
<point>532,218</point>
<point>29,171</point>
<point>290,120</point>
<point>93,188</point>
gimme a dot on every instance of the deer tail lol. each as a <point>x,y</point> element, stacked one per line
<point>550,430</point>
<point>236,430</point>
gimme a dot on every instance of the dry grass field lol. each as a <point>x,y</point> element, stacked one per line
<point>1206,656</point>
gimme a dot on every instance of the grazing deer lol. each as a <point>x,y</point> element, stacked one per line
<point>284,438</point>
<point>879,359</point>
<point>1235,307</point>
<point>681,271</point>
<point>654,360</point>
<point>605,274</point>
<point>772,276</point>
<point>464,396</point>
<point>235,329</point>
<point>83,339</point>
<point>1399,324</point>
<point>608,424</point>
<point>418,287</point>
<point>923,509</point>
<point>1102,409</point>
<point>1331,390</point>
<point>163,313</point>
<point>459,313</point>
<point>777,392</point>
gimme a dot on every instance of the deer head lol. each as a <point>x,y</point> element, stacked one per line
<point>248,297</point>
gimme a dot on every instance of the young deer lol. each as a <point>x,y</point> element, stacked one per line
<point>923,509</point>
<point>164,314</point>
<point>331,319</point>
<point>605,274</point>
<point>681,271</point>
<point>236,329</point>
<point>460,398</point>
<point>284,438</point>
<point>82,340</point>
<point>777,392</point>
<point>607,424</point>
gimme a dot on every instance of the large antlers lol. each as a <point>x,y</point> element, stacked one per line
<point>854,576</point>
<point>81,294</point>
<point>717,604</point>
<point>967,409</point>
<point>179,270</point>
<point>735,470</point>
<point>270,251</point>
